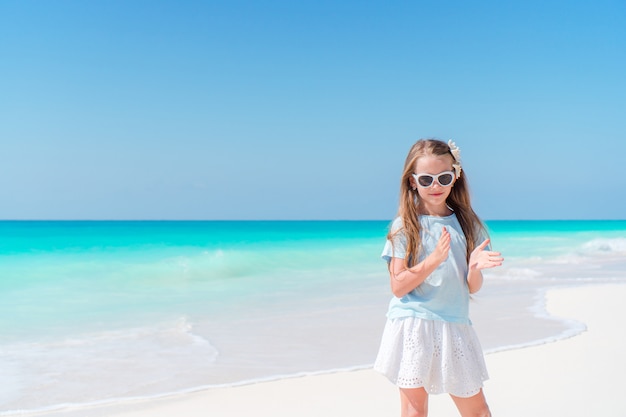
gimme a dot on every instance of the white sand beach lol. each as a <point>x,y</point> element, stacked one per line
<point>577,376</point>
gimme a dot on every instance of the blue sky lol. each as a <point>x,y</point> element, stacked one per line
<point>306,109</point>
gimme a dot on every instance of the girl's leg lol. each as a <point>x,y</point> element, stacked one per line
<point>413,402</point>
<point>475,406</point>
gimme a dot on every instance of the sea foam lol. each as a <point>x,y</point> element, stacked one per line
<point>105,365</point>
<point>613,245</point>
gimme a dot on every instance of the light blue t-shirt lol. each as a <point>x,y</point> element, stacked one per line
<point>444,295</point>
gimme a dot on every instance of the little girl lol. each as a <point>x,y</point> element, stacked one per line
<point>435,250</point>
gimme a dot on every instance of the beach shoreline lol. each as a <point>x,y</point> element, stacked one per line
<point>371,393</point>
<point>170,310</point>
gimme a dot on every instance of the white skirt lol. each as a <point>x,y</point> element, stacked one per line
<point>439,356</point>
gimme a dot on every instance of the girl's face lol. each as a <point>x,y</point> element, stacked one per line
<point>433,198</point>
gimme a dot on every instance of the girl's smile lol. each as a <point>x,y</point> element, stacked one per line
<point>431,171</point>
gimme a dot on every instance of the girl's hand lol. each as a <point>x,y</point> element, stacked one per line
<point>442,249</point>
<point>482,259</point>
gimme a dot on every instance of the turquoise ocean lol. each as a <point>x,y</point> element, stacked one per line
<point>96,311</point>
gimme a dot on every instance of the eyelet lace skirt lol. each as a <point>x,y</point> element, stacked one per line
<point>437,355</point>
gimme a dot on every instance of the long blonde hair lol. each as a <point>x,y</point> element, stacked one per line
<point>409,208</point>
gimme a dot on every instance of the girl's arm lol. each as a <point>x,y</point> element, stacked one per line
<point>474,280</point>
<point>404,280</point>
<point>479,260</point>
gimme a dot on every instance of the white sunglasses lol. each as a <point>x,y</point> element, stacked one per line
<point>444,179</point>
